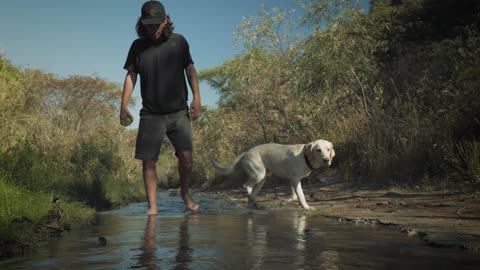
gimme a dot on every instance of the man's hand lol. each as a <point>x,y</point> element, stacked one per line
<point>126,117</point>
<point>196,106</point>
<point>195,109</point>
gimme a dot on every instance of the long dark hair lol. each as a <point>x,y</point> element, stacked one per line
<point>142,32</point>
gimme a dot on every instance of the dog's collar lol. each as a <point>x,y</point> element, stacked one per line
<point>307,161</point>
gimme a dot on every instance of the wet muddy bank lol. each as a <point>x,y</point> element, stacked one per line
<point>439,219</point>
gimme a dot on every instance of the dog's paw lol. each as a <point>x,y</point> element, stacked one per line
<point>252,204</point>
<point>309,208</point>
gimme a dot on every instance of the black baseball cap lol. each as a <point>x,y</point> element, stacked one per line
<point>153,12</point>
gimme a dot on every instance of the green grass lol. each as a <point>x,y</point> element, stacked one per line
<point>18,202</point>
<point>120,193</point>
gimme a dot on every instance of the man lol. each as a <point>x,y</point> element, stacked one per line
<point>161,58</point>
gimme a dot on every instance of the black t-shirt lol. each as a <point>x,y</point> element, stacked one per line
<point>161,66</point>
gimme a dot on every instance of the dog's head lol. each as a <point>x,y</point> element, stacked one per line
<point>320,153</point>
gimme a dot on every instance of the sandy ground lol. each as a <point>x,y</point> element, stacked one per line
<point>441,220</point>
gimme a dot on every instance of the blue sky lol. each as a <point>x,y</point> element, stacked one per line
<point>92,37</point>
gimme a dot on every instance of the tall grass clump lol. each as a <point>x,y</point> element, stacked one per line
<point>462,161</point>
<point>98,176</point>
<point>21,204</point>
<point>470,155</point>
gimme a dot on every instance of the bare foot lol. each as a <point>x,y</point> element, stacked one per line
<point>189,203</point>
<point>193,207</point>
<point>152,212</point>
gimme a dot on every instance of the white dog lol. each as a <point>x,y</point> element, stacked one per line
<point>292,162</point>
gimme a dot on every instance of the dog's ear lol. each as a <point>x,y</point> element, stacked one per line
<point>332,152</point>
<point>309,150</point>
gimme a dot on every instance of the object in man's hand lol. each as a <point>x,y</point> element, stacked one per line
<point>128,120</point>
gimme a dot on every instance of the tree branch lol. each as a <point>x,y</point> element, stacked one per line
<point>363,94</point>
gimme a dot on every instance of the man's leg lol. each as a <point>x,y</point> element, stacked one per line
<point>150,180</point>
<point>185,165</point>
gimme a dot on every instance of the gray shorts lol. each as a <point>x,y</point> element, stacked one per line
<point>152,130</point>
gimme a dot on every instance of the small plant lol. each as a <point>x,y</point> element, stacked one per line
<point>469,157</point>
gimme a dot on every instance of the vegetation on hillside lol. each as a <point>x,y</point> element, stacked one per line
<point>60,138</point>
<point>395,88</point>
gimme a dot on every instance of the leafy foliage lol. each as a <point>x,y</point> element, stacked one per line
<point>62,135</point>
<point>392,87</point>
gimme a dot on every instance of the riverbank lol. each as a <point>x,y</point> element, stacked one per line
<point>25,214</point>
<point>440,219</point>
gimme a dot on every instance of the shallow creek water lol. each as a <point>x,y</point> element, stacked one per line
<point>223,236</point>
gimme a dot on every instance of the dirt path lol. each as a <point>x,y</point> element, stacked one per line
<point>439,219</point>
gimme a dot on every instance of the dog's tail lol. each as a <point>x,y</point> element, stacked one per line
<point>226,170</point>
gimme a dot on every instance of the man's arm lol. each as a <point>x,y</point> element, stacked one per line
<point>196,106</point>
<point>128,86</point>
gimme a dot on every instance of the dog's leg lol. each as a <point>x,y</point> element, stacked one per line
<point>253,186</point>
<point>251,195</point>
<point>251,201</point>
<point>256,174</point>
<point>301,197</point>
<point>294,197</point>
<point>255,191</point>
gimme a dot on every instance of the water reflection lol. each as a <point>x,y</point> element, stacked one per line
<point>287,240</point>
<point>147,257</point>
<point>184,254</point>
<point>53,247</point>
<point>299,224</point>
<point>256,243</point>
<point>275,239</point>
<point>329,259</point>
<point>236,239</point>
